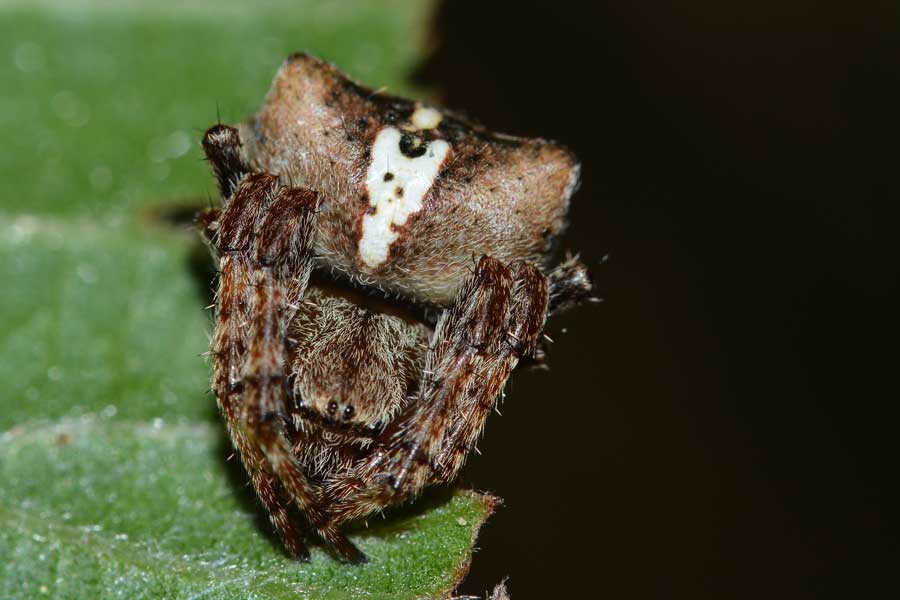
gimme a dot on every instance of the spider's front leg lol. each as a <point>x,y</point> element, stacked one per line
<point>496,320</point>
<point>263,237</point>
<point>229,342</point>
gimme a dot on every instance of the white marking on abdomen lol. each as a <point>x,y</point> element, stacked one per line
<point>426,117</point>
<point>396,184</point>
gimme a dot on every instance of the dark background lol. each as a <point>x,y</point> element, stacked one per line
<point>724,424</point>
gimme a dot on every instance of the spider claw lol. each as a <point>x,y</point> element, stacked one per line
<point>358,558</point>
<point>345,549</point>
<point>299,553</point>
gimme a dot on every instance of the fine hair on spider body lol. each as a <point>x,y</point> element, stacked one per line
<point>357,349</point>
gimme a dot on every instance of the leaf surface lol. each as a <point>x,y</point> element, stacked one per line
<point>98,507</point>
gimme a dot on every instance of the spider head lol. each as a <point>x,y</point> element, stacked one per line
<point>334,412</point>
<point>354,367</point>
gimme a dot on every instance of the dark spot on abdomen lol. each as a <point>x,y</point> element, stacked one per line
<point>412,146</point>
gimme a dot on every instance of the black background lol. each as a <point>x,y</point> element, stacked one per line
<point>724,424</point>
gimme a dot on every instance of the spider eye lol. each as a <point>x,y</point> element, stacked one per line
<point>332,407</point>
<point>348,412</point>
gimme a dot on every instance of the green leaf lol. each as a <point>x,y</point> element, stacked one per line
<point>95,507</point>
<point>113,472</point>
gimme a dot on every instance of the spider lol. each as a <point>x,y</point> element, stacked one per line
<point>381,271</point>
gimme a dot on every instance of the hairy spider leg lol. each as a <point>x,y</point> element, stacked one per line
<point>281,270</point>
<point>222,146</point>
<point>570,285</point>
<point>262,236</point>
<point>228,348</point>
<point>524,324</point>
<point>496,319</point>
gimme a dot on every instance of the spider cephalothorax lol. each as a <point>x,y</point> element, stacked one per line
<point>359,346</point>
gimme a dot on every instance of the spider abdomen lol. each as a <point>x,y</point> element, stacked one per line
<point>409,194</point>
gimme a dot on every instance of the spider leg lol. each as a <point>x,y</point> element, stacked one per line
<point>222,146</point>
<point>228,349</point>
<point>281,272</point>
<point>495,321</point>
<point>524,323</point>
<point>264,237</point>
<point>570,285</point>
